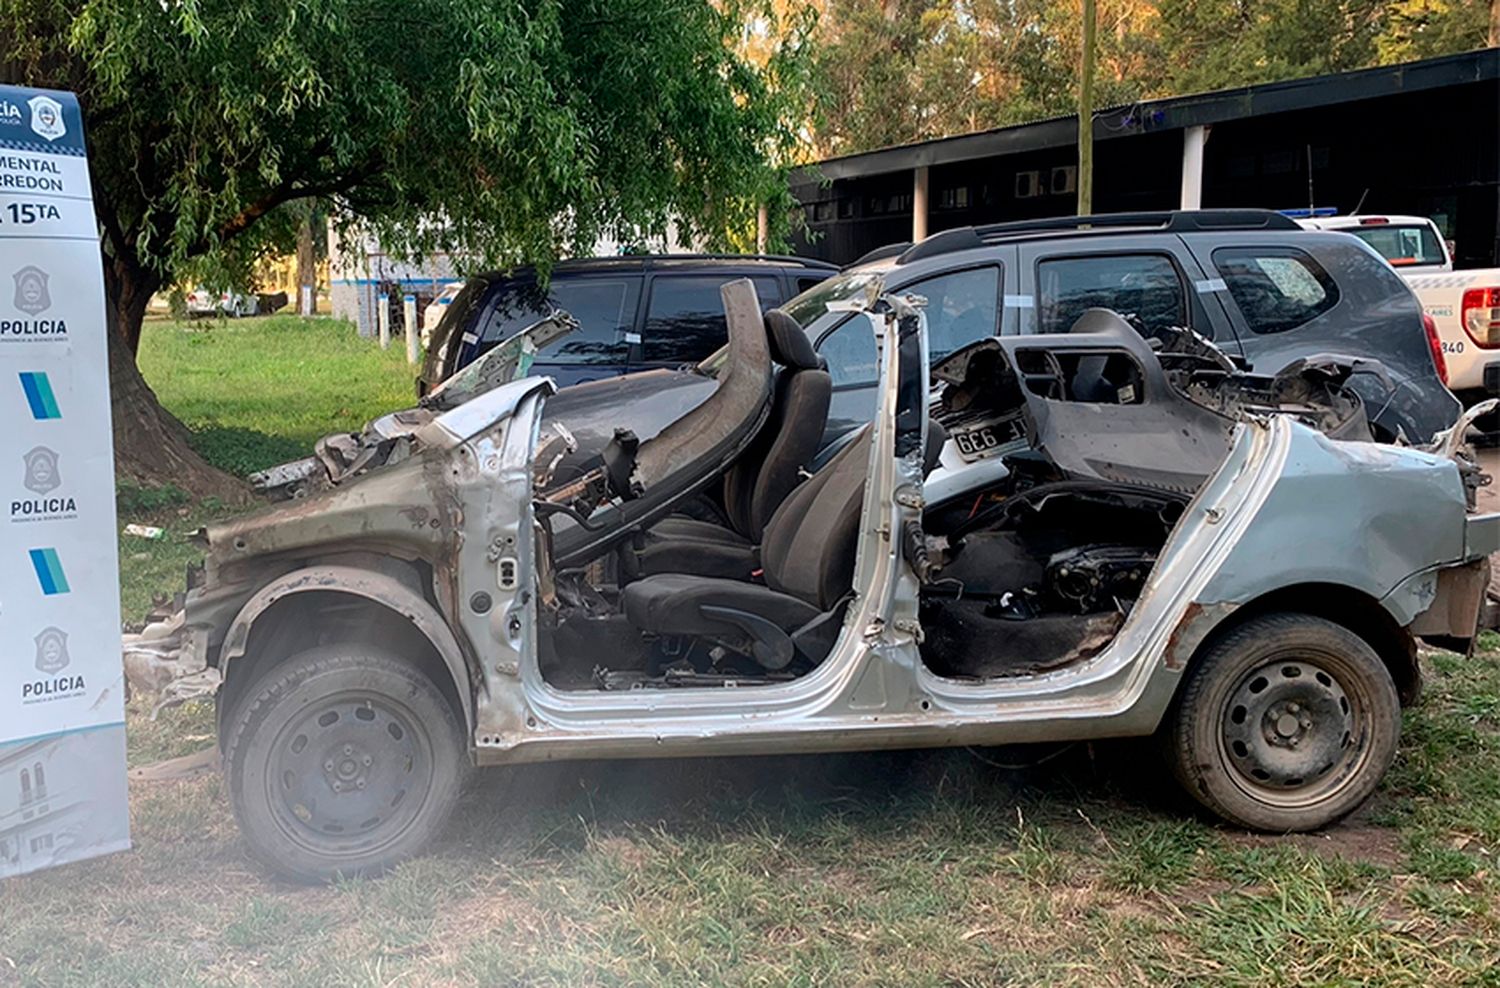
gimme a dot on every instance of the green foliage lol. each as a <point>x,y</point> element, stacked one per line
<point>132,499</point>
<point>908,70</point>
<point>498,131</point>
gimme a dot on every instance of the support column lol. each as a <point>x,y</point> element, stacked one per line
<point>919,205</point>
<point>762,229</point>
<point>1193,139</point>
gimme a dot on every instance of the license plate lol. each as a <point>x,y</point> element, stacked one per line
<point>986,440</point>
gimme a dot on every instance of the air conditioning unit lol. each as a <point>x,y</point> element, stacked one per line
<point>1064,180</point>
<point>1028,185</point>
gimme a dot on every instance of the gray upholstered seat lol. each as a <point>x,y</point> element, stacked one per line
<point>807,557</point>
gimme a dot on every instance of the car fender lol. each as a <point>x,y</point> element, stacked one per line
<point>384,589</point>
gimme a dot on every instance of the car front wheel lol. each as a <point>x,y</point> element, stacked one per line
<point>342,760</point>
<point>1286,723</point>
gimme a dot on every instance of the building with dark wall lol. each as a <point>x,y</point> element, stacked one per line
<point>1417,138</point>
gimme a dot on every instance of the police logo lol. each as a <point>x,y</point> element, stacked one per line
<point>32,296</point>
<point>51,651</point>
<point>41,471</point>
<point>47,117</point>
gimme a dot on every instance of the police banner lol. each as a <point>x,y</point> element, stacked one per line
<point>62,730</point>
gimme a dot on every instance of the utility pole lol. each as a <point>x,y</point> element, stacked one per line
<point>1494,23</point>
<point>1086,113</point>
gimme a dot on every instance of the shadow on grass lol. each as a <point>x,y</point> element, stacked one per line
<point>244,451</point>
<point>811,798</point>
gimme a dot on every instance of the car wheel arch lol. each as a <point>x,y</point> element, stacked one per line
<point>1343,605</point>
<point>367,605</point>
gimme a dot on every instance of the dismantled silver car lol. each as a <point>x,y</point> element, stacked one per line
<point>1081,535</point>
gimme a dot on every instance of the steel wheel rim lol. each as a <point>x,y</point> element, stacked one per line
<point>1292,733</point>
<point>349,775</point>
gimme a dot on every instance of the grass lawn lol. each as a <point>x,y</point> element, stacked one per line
<point>255,392</point>
<point>954,868</point>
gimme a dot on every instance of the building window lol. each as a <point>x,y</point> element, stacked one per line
<point>40,782</point>
<point>42,843</point>
<point>1064,180</point>
<point>888,205</point>
<point>954,198</point>
<point>1028,184</point>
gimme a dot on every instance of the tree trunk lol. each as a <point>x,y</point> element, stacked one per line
<point>307,267</point>
<point>151,445</point>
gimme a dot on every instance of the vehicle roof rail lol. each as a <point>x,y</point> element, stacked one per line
<point>1167,221</point>
<point>880,254</point>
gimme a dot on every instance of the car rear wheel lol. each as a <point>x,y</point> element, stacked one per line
<point>342,760</point>
<point>1286,723</point>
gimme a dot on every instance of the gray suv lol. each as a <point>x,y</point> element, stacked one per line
<point>1254,282</point>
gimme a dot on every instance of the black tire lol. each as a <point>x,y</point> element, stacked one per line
<point>1286,723</point>
<point>343,760</point>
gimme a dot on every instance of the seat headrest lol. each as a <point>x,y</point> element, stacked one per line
<point>790,346</point>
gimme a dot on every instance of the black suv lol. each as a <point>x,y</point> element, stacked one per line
<point>635,312</point>
<point>1252,281</point>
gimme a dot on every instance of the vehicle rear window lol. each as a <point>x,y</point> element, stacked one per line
<point>604,308</point>
<point>1146,286</point>
<point>1402,245</point>
<point>1276,289</point>
<point>685,320</point>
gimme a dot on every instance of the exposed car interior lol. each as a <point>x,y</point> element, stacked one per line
<point>1104,435</point>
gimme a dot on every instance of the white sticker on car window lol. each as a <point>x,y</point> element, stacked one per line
<point>1019,302</point>
<point>1210,285</point>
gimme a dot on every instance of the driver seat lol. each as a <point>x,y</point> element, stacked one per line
<point>807,554</point>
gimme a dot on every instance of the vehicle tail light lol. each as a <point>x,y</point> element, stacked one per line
<point>1435,345</point>
<point>1374,221</point>
<point>1480,316</point>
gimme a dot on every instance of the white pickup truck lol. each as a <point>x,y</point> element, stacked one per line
<point>1464,305</point>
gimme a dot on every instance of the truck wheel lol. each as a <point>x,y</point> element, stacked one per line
<point>1286,723</point>
<point>342,760</point>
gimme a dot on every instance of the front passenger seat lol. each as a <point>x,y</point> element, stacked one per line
<point>760,479</point>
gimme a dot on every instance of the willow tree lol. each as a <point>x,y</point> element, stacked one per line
<point>500,131</point>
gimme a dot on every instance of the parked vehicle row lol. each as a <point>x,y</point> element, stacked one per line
<point>201,303</point>
<point>1252,281</point>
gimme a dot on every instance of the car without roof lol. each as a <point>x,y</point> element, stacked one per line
<point>1141,566</point>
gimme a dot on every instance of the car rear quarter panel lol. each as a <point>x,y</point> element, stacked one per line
<point>1357,515</point>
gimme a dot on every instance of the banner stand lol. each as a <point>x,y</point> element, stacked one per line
<point>62,702</point>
